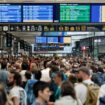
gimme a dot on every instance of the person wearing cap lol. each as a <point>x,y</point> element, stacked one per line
<point>84,77</point>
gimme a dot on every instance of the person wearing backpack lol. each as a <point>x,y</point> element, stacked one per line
<point>29,87</point>
<point>91,90</point>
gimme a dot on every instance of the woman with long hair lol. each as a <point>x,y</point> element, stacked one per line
<point>68,95</point>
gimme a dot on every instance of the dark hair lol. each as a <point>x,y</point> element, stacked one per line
<point>53,69</point>
<point>28,75</point>
<point>94,68</point>
<point>3,65</point>
<point>17,78</point>
<point>37,74</point>
<point>85,70</point>
<point>67,89</point>
<point>39,86</point>
<point>100,69</point>
<point>25,66</point>
<point>73,79</point>
<point>61,75</point>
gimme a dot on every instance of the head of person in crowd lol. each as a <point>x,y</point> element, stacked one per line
<point>25,66</point>
<point>33,67</point>
<point>3,65</point>
<point>58,77</point>
<point>17,67</point>
<point>14,79</point>
<point>53,69</point>
<point>67,89</point>
<point>3,97</point>
<point>100,69</point>
<point>42,92</point>
<point>37,75</point>
<point>73,79</point>
<point>79,79</point>
<point>94,68</point>
<point>28,75</point>
<point>63,68</point>
<point>83,73</point>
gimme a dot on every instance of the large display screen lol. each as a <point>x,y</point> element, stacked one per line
<point>40,40</point>
<point>52,13</point>
<point>98,13</point>
<point>10,13</point>
<point>37,13</point>
<point>54,33</point>
<point>65,40</point>
<point>52,39</point>
<point>74,13</point>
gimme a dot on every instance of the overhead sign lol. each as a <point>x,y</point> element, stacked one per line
<point>74,13</point>
<point>50,28</point>
<point>52,13</point>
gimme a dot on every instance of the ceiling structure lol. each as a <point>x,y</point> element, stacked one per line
<point>29,36</point>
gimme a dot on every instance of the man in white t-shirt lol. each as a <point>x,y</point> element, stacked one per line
<point>46,73</point>
<point>17,95</point>
<point>81,89</point>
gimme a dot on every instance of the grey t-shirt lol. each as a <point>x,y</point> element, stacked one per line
<point>36,103</point>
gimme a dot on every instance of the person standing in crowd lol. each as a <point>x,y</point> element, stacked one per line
<point>83,92</point>
<point>68,95</point>
<point>42,93</point>
<point>24,67</point>
<point>58,78</point>
<point>101,97</point>
<point>46,72</point>
<point>29,87</point>
<point>99,76</point>
<point>27,77</point>
<point>17,95</point>
<point>4,73</point>
<point>3,96</point>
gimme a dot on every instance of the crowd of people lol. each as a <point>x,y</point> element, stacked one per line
<point>52,81</point>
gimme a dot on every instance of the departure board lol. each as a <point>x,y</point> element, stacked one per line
<point>40,40</point>
<point>53,33</point>
<point>52,39</point>
<point>98,13</point>
<point>65,40</point>
<point>74,13</point>
<point>37,13</point>
<point>10,13</point>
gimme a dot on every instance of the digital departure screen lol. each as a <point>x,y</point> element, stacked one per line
<point>74,13</point>
<point>51,13</point>
<point>53,34</point>
<point>10,13</point>
<point>98,13</point>
<point>40,40</point>
<point>37,13</point>
<point>65,40</point>
<point>52,39</point>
